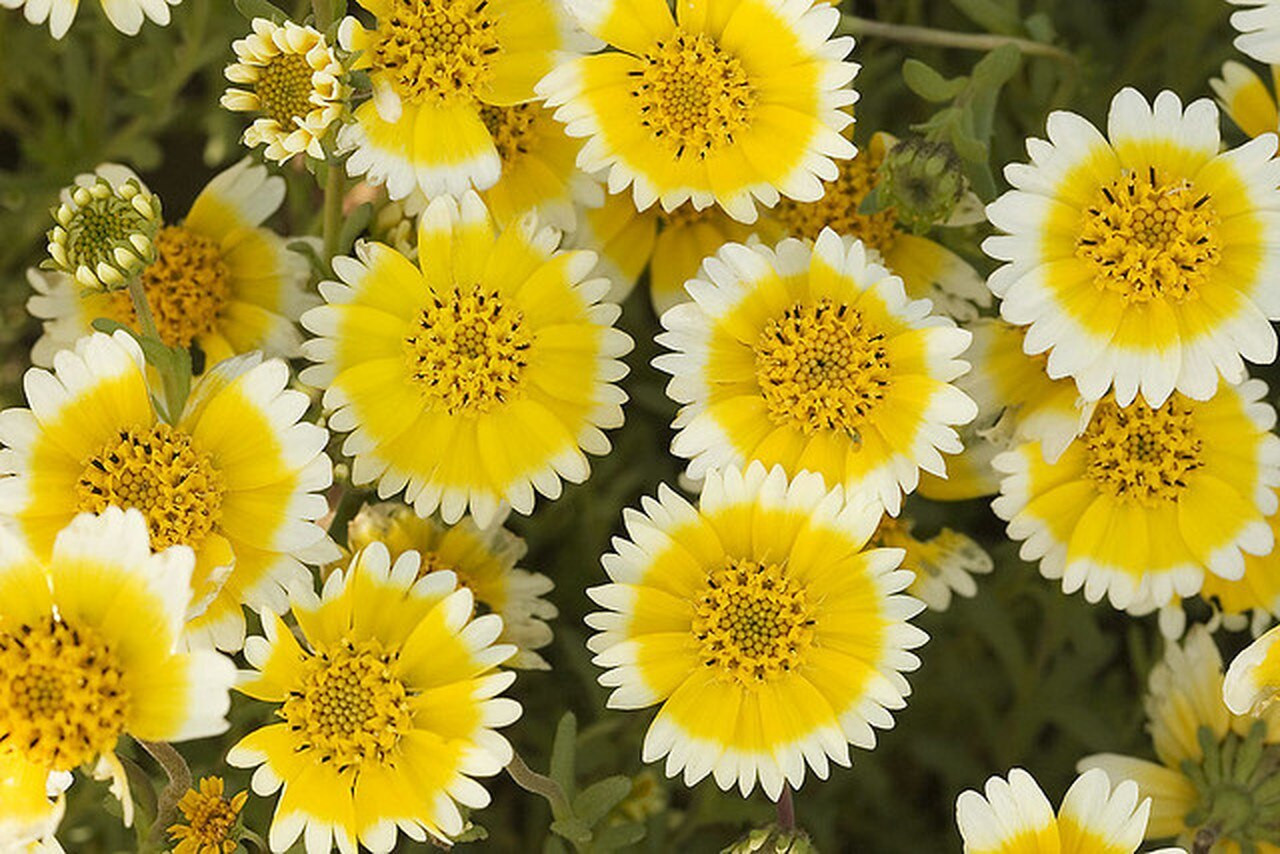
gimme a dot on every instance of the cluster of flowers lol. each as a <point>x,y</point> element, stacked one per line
<point>471,358</point>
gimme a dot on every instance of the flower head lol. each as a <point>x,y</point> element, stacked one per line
<point>105,229</point>
<point>125,15</point>
<point>924,180</point>
<point>389,705</point>
<point>768,636</point>
<point>1246,99</point>
<point>944,564</point>
<point>293,82</point>
<point>210,819</point>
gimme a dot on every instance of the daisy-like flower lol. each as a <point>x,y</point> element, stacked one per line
<point>91,641</point>
<point>435,66</point>
<point>811,357</point>
<point>235,478</point>
<point>219,280</point>
<point>125,15</point>
<point>1188,483</point>
<point>105,229</point>
<point>944,564</point>
<point>1214,777</point>
<point>1014,817</point>
<point>476,376</point>
<point>927,268</point>
<point>1142,260</point>
<point>1246,99</point>
<point>209,819</point>
<point>483,560</point>
<point>1259,28</point>
<point>724,103</point>
<point>389,706</point>
<point>1254,598</point>
<point>294,84</point>
<point>769,637</point>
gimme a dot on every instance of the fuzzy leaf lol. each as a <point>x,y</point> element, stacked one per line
<point>929,84</point>
<point>261,9</point>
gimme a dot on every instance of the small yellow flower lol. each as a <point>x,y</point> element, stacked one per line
<point>105,229</point>
<point>210,820</point>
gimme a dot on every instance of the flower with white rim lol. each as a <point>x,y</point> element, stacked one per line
<point>1189,484</point>
<point>1246,99</point>
<point>1259,28</point>
<point>1253,679</point>
<point>125,15</point>
<point>1142,260</point>
<point>105,227</point>
<point>767,633</point>
<point>728,103</point>
<point>812,357</point>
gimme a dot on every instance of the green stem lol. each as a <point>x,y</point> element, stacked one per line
<point>350,504</point>
<point>948,38</point>
<point>334,185</point>
<point>179,774</point>
<point>539,784</point>
<point>142,308</point>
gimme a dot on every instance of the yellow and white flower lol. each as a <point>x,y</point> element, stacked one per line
<point>1253,679</point>
<point>221,282</point>
<point>768,636</point>
<point>235,478</point>
<point>31,804</point>
<point>91,645</point>
<point>1259,28</point>
<point>1142,261</point>
<point>943,564</point>
<point>1147,499</point>
<point>1246,99</point>
<point>729,103</point>
<point>1253,600</point>
<point>477,376</point>
<point>812,357</point>
<point>1014,817</point>
<point>483,560</point>
<point>295,85</point>
<point>125,15</point>
<point>389,700</point>
<point>435,66</point>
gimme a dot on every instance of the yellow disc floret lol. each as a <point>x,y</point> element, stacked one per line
<point>210,819</point>
<point>349,706</point>
<point>752,621</point>
<point>1150,238</point>
<point>438,50</point>
<point>284,88</point>
<point>62,701</point>
<point>692,94</point>
<point>160,472</point>
<point>821,367</point>
<point>467,351</point>
<point>838,207</point>
<point>513,129</point>
<point>1141,454</point>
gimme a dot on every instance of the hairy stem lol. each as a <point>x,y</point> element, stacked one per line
<point>175,768</point>
<point>949,38</point>
<point>142,308</point>
<point>333,189</point>
<point>786,810</point>
<point>539,784</point>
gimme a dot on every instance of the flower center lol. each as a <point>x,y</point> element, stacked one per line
<point>752,621</point>
<point>187,287</point>
<point>838,207</point>
<point>1234,803</point>
<point>61,700</point>
<point>349,706</point>
<point>437,49</point>
<point>820,367</point>
<point>99,227</point>
<point>158,471</point>
<point>1147,238</point>
<point>284,88</point>
<point>210,819</point>
<point>512,129</point>
<point>467,351</point>
<point>1142,454</point>
<point>692,95</point>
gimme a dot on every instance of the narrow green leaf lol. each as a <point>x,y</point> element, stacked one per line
<point>617,836</point>
<point>929,84</point>
<point>994,69</point>
<point>564,754</point>
<point>353,226</point>
<point>261,9</point>
<point>572,829</point>
<point>596,800</point>
<point>307,249</point>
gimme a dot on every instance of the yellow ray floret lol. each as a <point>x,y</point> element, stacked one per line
<point>768,636</point>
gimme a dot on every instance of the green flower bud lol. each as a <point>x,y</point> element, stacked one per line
<point>923,180</point>
<point>772,840</point>
<point>104,232</point>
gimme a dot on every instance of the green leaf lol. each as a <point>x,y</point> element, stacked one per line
<point>997,16</point>
<point>596,800</point>
<point>563,754</point>
<point>261,9</point>
<point>338,10</point>
<point>307,249</point>
<point>141,789</point>
<point>572,829</point>
<point>353,226</point>
<point>929,84</point>
<point>617,836</point>
<point>994,69</point>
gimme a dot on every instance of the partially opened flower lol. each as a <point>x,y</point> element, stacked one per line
<point>235,478</point>
<point>104,229</point>
<point>125,15</point>
<point>723,103</point>
<point>219,280</point>
<point>944,564</point>
<point>1144,260</point>
<point>388,700</point>
<point>91,647</point>
<point>1259,27</point>
<point>767,635</point>
<point>209,819</point>
<point>812,357</point>
<point>476,376</point>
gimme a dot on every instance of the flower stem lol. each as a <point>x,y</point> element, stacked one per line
<point>175,768</point>
<point>949,38</point>
<point>348,506</point>
<point>333,187</point>
<point>786,811</point>
<point>539,784</point>
<point>142,308</point>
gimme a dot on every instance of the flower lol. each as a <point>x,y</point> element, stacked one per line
<point>91,645</point>
<point>435,65</point>
<point>1254,598</point>
<point>1214,766</point>
<point>1188,483</point>
<point>1111,296</point>
<point>105,229</point>
<point>125,15</point>
<point>33,804</point>
<point>1246,99</point>
<point>1015,816</point>
<point>729,103</point>
<point>483,560</point>
<point>944,564</point>
<point>234,478</point>
<point>475,377</point>
<point>927,268</point>
<point>294,83</point>
<point>389,707</point>
<point>1259,28</point>
<point>218,281</point>
<point>768,636</point>
<point>210,820</point>
<point>813,358</point>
